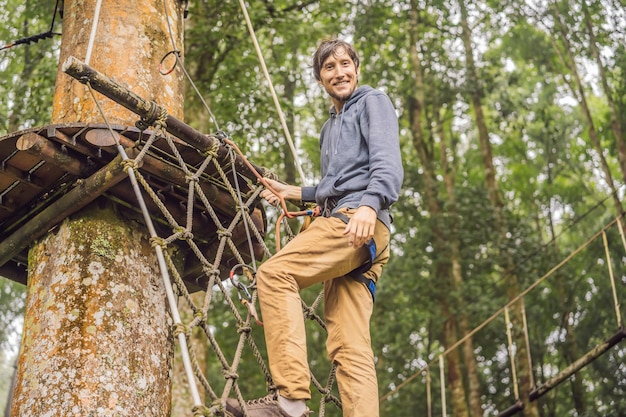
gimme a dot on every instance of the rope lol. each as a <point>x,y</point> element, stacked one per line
<point>283,123</point>
<point>501,310</point>
<point>612,277</point>
<point>444,412</point>
<point>179,62</point>
<point>160,258</point>
<point>509,339</point>
<point>286,212</point>
<point>94,29</point>
<point>527,341</point>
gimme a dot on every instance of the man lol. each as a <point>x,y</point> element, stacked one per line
<point>361,178</point>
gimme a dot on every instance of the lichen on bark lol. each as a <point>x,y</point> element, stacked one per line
<point>97,336</point>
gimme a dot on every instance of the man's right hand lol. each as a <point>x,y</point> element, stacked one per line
<point>286,191</point>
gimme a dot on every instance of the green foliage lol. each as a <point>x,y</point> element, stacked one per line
<point>27,71</point>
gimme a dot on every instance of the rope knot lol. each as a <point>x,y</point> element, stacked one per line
<point>181,328</point>
<point>309,312</point>
<point>129,164</point>
<point>212,151</point>
<point>243,208</point>
<point>210,271</point>
<point>155,116</point>
<point>228,374</point>
<point>244,329</point>
<point>223,233</point>
<point>182,233</point>
<point>200,411</point>
<point>158,241</point>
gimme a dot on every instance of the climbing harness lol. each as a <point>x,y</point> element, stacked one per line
<point>357,273</point>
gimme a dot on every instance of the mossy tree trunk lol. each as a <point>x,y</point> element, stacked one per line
<point>97,335</point>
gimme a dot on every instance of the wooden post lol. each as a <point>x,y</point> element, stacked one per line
<point>97,335</point>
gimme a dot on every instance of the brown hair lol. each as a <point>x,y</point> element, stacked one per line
<point>329,47</point>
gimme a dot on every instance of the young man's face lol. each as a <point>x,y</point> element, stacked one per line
<point>339,76</point>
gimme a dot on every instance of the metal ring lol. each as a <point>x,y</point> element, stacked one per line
<point>174,52</point>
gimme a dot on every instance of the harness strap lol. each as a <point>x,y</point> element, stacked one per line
<point>357,273</point>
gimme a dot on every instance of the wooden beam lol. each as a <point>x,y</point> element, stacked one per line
<point>577,365</point>
<point>145,109</point>
<point>512,410</point>
<point>52,153</point>
<point>84,193</point>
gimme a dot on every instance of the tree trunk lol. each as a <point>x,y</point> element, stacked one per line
<point>97,337</point>
<point>571,352</point>
<point>131,39</point>
<point>506,261</point>
<point>578,90</point>
<point>469,358</point>
<point>443,268</point>
<point>615,116</point>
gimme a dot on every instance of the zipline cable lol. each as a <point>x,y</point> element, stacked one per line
<point>176,53</point>
<point>273,92</point>
<point>36,38</point>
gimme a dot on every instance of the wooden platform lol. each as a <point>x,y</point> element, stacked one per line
<point>48,173</point>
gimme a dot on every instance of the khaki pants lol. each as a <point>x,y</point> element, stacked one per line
<point>321,254</point>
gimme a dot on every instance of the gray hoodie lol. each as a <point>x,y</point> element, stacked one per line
<point>360,156</point>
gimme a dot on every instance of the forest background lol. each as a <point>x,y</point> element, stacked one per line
<point>512,118</point>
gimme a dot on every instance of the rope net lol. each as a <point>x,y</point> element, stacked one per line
<point>220,254</point>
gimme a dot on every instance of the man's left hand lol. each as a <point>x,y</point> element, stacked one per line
<point>360,228</point>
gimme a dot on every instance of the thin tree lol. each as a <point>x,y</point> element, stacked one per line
<point>506,260</point>
<point>443,267</point>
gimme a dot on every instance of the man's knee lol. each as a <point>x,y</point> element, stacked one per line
<point>271,278</point>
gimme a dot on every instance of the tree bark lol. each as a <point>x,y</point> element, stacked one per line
<point>469,358</point>
<point>97,337</point>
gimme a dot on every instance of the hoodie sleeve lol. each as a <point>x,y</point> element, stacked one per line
<point>308,194</point>
<point>379,124</point>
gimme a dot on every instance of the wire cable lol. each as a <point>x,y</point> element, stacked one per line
<point>182,66</point>
<point>36,38</point>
